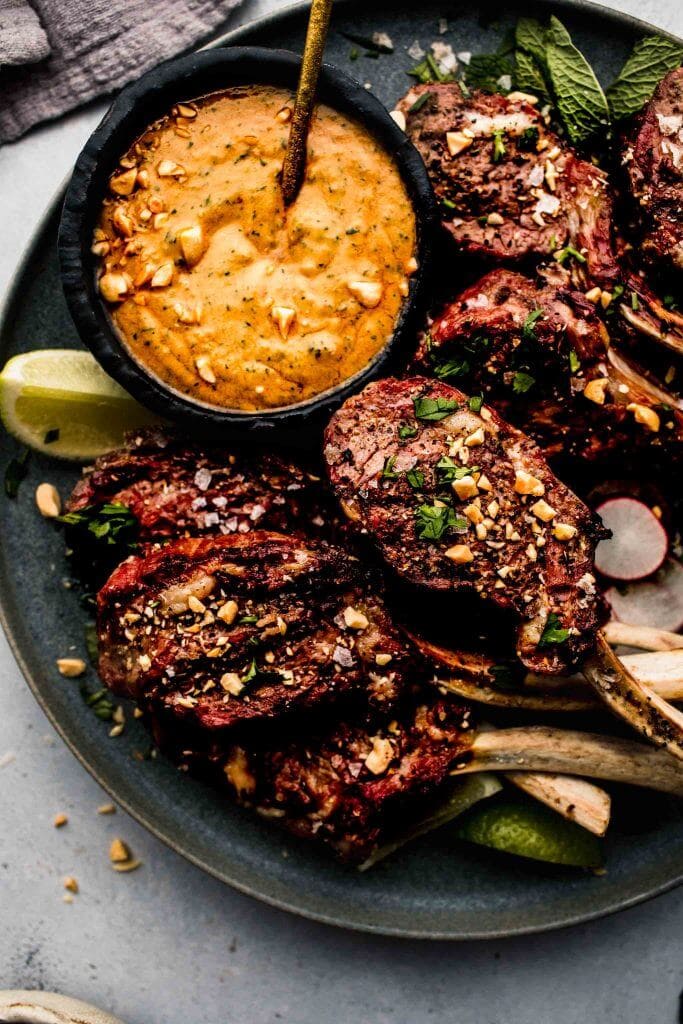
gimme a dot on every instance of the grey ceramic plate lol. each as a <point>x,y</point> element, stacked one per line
<point>435,888</point>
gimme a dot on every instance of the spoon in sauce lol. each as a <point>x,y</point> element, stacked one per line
<point>295,157</point>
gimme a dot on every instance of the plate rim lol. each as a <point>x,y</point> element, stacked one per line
<point>11,618</point>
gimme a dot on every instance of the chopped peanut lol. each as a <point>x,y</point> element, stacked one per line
<point>191,241</point>
<point>123,184</point>
<point>460,553</point>
<point>205,369</point>
<point>645,415</point>
<point>382,659</point>
<point>48,501</point>
<point>355,619</point>
<point>284,317</point>
<point>564,531</point>
<point>595,390</point>
<point>465,488</point>
<point>399,117</point>
<point>232,683</point>
<point>526,483</point>
<point>368,293</point>
<point>380,757</point>
<point>227,613</point>
<point>543,511</point>
<point>113,287</point>
<point>476,438</point>
<point>457,142</point>
<point>71,667</point>
<point>163,276</point>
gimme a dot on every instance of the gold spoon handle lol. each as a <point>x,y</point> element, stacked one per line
<point>295,157</point>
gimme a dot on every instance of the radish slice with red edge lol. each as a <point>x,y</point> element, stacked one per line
<point>657,602</point>
<point>638,545</point>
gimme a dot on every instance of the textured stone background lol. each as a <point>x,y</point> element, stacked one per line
<point>167,944</point>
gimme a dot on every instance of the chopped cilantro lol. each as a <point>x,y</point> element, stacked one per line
<point>111,524</point>
<point>99,703</point>
<point>522,382</point>
<point>498,144</point>
<point>635,304</point>
<point>449,470</point>
<point>91,642</point>
<point>431,410</point>
<point>569,252</point>
<point>448,203</point>
<point>248,620</point>
<point>528,331</point>
<point>553,632</point>
<point>416,479</point>
<point>451,368</point>
<point>475,403</point>
<point>388,471</point>
<point>574,361</point>
<point>406,431</point>
<point>669,302</point>
<point>432,521</point>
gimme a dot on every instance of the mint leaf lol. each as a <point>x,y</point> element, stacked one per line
<point>485,69</point>
<point>650,60</point>
<point>522,382</point>
<point>553,632</point>
<point>416,479</point>
<point>449,470</point>
<point>528,76</point>
<point>432,521</point>
<point>531,37</point>
<point>578,94</point>
<point>431,410</point>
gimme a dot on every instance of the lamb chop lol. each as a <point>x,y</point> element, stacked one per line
<point>458,501</point>
<point>355,785</point>
<point>538,349</point>
<point>222,632</point>
<point>653,158</point>
<point>510,188</point>
<point>173,489</point>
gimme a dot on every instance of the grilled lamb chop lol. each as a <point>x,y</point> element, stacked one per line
<point>484,514</point>
<point>218,632</point>
<point>542,354</point>
<point>363,782</point>
<point>653,159</point>
<point>509,187</point>
<point>457,500</point>
<point>175,489</point>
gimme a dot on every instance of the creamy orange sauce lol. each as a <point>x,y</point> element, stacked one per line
<point>222,293</point>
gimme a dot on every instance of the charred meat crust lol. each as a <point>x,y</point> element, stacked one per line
<point>354,785</point>
<point>510,188</point>
<point>228,631</point>
<point>539,351</point>
<point>464,525</point>
<point>174,489</point>
<point>653,157</point>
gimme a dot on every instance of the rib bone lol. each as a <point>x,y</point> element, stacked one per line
<point>638,704</point>
<point>647,638</point>
<point>576,799</point>
<point>543,749</point>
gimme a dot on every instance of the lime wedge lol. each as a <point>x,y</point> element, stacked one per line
<point>459,797</point>
<point>61,402</point>
<point>531,830</point>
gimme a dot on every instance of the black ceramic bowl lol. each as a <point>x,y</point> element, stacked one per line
<point>132,112</point>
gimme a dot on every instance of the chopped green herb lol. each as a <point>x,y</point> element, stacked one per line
<point>451,368</point>
<point>574,361</point>
<point>635,304</point>
<point>448,203</point>
<point>569,252</point>
<point>406,431</point>
<point>449,470</point>
<point>528,139</point>
<point>353,54</point>
<point>432,521</point>
<point>498,144</point>
<point>388,471</point>
<point>553,632</point>
<point>16,472</point>
<point>522,382</point>
<point>475,403</point>
<point>111,524</point>
<point>420,102</point>
<point>99,703</point>
<point>416,479</point>
<point>669,302</point>
<point>423,73</point>
<point>528,328</point>
<point>431,410</point>
<point>248,620</point>
<point>250,674</point>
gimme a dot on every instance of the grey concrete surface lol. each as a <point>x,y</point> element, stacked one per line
<point>168,945</point>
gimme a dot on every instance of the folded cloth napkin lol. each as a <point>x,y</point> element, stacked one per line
<point>87,48</point>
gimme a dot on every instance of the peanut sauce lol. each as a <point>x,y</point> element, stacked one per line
<point>222,293</point>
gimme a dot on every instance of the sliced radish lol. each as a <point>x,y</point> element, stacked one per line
<point>657,602</point>
<point>638,545</point>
